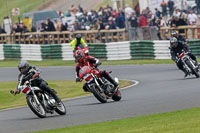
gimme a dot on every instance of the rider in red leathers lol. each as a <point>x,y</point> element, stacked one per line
<point>92,62</point>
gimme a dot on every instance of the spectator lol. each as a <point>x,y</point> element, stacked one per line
<point>192,18</point>
<point>177,13</point>
<point>128,11</point>
<point>142,21</point>
<point>133,20</point>
<point>50,25</point>
<point>171,7</point>
<point>121,20</point>
<point>179,22</point>
<point>164,8</point>
<point>157,13</point>
<point>2,31</point>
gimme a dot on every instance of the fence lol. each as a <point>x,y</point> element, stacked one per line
<point>189,32</point>
<point>93,36</point>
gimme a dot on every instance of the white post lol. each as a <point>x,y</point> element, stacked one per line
<point>114,4</point>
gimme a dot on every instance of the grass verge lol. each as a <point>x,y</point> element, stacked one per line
<point>14,63</point>
<point>65,89</point>
<point>184,121</point>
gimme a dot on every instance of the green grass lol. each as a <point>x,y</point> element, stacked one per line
<point>185,121</point>
<point>72,63</point>
<point>65,89</point>
<point>24,5</point>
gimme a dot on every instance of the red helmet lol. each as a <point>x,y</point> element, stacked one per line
<point>79,56</point>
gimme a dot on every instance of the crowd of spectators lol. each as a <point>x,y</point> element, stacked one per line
<point>107,18</point>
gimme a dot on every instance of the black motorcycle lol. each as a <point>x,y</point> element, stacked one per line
<point>189,65</point>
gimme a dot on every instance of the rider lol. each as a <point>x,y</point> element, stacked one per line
<point>31,72</point>
<point>77,42</point>
<point>176,47</point>
<point>93,63</point>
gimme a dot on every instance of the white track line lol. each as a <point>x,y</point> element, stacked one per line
<point>135,82</point>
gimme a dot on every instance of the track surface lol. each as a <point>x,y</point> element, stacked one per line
<point>162,88</point>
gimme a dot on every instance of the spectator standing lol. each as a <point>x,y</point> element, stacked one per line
<point>133,21</point>
<point>177,13</point>
<point>128,11</point>
<point>157,13</point>
<point>171,7</point>
<point>121,20</point>
<point>50,25</point>
<point>142,21</point>
<point>2,31</point>
<point>179,22</point>
<point>164,8</point>
<point>192,18</point>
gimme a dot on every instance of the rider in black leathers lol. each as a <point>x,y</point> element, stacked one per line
<point>176,47</point>
<point>31,72</point>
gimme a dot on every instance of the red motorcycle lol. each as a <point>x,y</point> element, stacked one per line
<point>99,86</point>
<point>83,48</point>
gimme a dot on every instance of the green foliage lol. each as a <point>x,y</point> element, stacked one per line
<point>24,5</point>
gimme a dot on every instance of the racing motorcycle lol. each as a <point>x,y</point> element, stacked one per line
<point>99,86</point>
<point>189,65</point>
<point>41,102</point>
<point>83,48</point>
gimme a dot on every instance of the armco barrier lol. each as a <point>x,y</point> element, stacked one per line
<point>1,53</point>
<point>109,51</point>
<point>98,50</point>
<point>67,53</point>
<point>31,52</point>
<point>195,47</point>
<point>51,51</point>
<point>142,50</point>
<point>118,51</point>
<point>12,51</point>
<point>161,49</point>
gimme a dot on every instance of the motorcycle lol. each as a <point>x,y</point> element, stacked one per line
<point>99,86</point>
<point>83,48</point>
<point>41,102</point>
<point>189,65</point>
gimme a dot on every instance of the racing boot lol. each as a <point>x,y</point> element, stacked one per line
<point>85,87</point>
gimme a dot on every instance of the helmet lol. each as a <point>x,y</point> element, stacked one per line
<point>173,42</point>
<point>78,36</point>
<point>174,33</point>
<point>79,56</point>
<point>23,67</point>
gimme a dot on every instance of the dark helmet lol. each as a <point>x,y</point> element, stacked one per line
<point>173,42</point>
<point>79,56</point>
<point>78,36</point>
<point>174,33</point>
<point>23,67</point>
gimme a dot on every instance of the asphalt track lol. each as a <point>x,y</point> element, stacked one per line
<point>161,88</point>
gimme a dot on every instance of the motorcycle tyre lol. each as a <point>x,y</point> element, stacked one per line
<point>193,70</point>
<point>98,95</point>
<point>28,100</point>
<point>117,96</point>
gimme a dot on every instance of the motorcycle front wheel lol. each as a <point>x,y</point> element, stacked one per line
<point>194,71</point>
<point>100,96</point>
<point>36,108</point>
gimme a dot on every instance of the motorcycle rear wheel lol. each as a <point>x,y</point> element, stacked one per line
<point>61,110</point>
<point>117,96</point>
<point>36,109</point>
